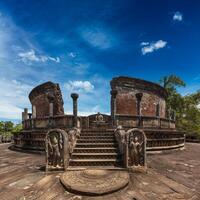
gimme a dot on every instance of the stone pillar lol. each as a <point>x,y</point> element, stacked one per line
<point>25,113</point>
<point>33,111</point>
<point>51,101</point>
<point>158,110</point>
<point>22,116</point>
<point>75,96</point>
<point>139,99</point>
<point>29,115</point>
<point>50,109</point>
<point>113,106</point>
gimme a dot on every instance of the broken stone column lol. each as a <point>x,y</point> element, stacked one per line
<point>75,105</point>
<point>139,99</point>
<point>158,110</point>
<point>51,109</point>
<point>25,113</point>
<point>51,99</point>
<point>33,111</point>
<point>113,106</point>
<point>29,115</point>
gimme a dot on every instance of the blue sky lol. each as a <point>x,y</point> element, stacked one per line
<point>83,44</point>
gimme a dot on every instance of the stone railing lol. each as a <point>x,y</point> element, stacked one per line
<point>128,121</point>
<point>35,139</point>
<point>157,139</point>
<point>62,121</point>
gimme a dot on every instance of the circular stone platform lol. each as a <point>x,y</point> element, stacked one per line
<point>94,182</point>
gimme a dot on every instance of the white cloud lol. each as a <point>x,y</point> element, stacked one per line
<point>13,95</point>
<point>98,36</point>
<point>144,43</point>
<point>31,56</point>
<point>153,46</point>
<point>79,86</point>
<point>177,16</point>
<point>72,55</point>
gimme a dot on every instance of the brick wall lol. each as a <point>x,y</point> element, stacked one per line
<point>126,102</point>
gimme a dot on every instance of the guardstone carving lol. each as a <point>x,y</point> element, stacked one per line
<point>136,149</point>
<point>57,150</point>
<point>120,134</point>
<point>73,134</point>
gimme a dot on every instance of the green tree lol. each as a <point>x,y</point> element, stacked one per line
<point>190,120</point>
<point>186,107</point>
<point>17,128</point>
<point>9,126</point>
<point>171,82</point>
<point>174,100</point>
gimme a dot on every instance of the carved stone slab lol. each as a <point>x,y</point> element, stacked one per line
<point>94,182</point>
<point>57,150</point>
<point>136,150</point>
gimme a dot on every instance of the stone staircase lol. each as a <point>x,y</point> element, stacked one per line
<point>96,148</point>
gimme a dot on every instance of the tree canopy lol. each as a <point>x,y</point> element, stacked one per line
<point>187,107</point>
<point>8,128</point>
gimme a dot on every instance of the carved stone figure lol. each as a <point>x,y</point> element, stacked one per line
<point>135,151</point>
<point>136,148</point>
<point>120,137</point>
<point>55,147</point>
<point>57,153</point>
<point>73,133</point>
<point>99,117</point>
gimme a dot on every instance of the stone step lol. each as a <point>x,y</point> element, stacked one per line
<point>95,150</point>
<point>98,130</point>
<point>94,155</point>
<point>103,140</point>
<point>97,136</point>
<point>96,144</point>
<point>94,162</point>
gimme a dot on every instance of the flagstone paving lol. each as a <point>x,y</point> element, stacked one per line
<point>171,176</point>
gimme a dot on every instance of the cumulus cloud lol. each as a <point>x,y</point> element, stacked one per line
<point>98,36</point>
<point>79,86</point>
<point>31,56</point>
<point>177,16</point>
<point>13,95</point>
<point>153,46</point>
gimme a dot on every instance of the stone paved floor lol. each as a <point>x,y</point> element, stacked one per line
<point>173,176</point>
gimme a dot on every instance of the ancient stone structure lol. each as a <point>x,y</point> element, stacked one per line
<point>46,100</point>
<point>100,139</point>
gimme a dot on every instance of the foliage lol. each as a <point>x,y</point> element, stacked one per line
<point>8,128</point>
<point>186,107</point>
